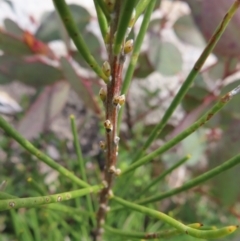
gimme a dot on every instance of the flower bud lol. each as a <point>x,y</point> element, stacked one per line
<point>128,46</point>
<point>103,94</point>
<point>108,125</point>
<point>119,100</point>
<point>114,170</point>
<point>106,68</point>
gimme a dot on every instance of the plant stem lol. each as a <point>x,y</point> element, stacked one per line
<point>217,233</point>
<point>36,186</point>
<point>102,21</point>
<point>29,202</point>
<point>35,224</point>
<point>20,227</point>
<point>126,14</point>
<point>104,9</point>
<point>164,174</point>
<point>136,51</point>
<point>41,156</point>
<point>80,213</point>
<point>219,105</point>
<point>113,90</point>
<point>195,181</point>
<point>81,164</point>
<point>4,195</point>
<point>77,38</point>
<point>157,235</point>
<point>141,6</point>
<point>189,80</point>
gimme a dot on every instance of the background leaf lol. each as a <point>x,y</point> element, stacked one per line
<point>195,95</point>
<point>144,67</point>
<point>165,56</point>
<point>207,21</point>
<point>81,86</point>
<point>187,32</point>
<point>30,71</point>
<point>44,109</point>
<point>11,44</point>
<point>12,27</point>
<point>49,28</point>
<point>94,47</point>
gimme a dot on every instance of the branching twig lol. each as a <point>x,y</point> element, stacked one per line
<point>204,234</point>
<point>219,105</point>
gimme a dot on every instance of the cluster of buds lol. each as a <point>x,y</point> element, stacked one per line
<point>114,170</point>
<point>119,100</point>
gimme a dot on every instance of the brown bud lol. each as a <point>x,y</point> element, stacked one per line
<point>119,100</point>
<point>108,125</point>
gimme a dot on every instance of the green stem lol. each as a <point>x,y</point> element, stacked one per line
<point>157,235</point>
<point>189,80</point>
<point>55,198</point>
<point>126,14</point>
<point>35,224</point>
<point>104,9</point>
<point>141,6</point>
<point>20,227</point>
<point>14,222</point>
<point>36,186</point>
<point>102,21</point>
<point>217,233</point>
<point>148,158</point>
<point>53,206</point>
<point>69,210</point>
<point>41,156</point>
<point>81,164</point>
<point>196,181</point>
<point>4,195</point>
<point>135,53</point>
<point>77,38</point>
<point>65,226</point>
<point>164,174</point>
